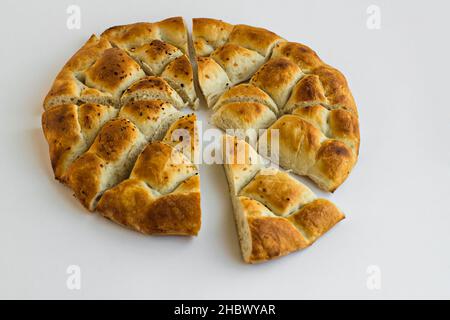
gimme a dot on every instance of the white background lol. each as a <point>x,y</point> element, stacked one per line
<point>396,198</point>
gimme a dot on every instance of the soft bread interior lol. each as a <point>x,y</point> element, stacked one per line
<point>245,237</point>
<point>246,92</point>
<point>241,162</point>
<point>152,88</point>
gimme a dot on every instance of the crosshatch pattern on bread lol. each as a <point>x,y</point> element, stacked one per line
<point>254,79</point>
<point>109,121</point>
<point>275,214</point>
<point>111,113</point>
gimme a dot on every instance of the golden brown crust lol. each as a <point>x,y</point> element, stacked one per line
<point>299,141</point>
<point>264,236</point>
<point>178,214</point>
<point>276,215</point>
<point>305,149</point>
<point>162,194</point>
<point>336,88</point>
<point>238,62</point>
<point>277,191</point>
<point>114,139</point>
<point>303,56</point>
<point>317,115</point>
<point>155,56</point>
<point>228,54</point>
<point>62,132</point>
<point>94,154</point>
<point>273,237</point>
<point>344,126</point>
<point>131,36</point>
<point>107,162</point>
<point>105,66</point>
<point>70,130</point>
<point>254,38</point>
<point>293,76</point>
<point>337,124</point>
<point>92,117</point>
<point>132,204</point>
<point>174,31</point>
<point>113,72</point>
<point>209,34</point>
<point>180,76</point>
<point>277,77</point>
<point>308,91</point>
<point>127,203</point>
<point>84,177</point>
<point>151,116</point>
<point>334,162</point>
<point>162,167</point>
<point>316,218</point>
<point>320,138</point>
<point>67,88</point>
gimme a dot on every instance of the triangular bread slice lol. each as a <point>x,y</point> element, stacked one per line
<point>275,214</point>
<point>162,194</point>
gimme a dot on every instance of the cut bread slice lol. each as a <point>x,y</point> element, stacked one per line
<point>275,214</point>
<point>162,193</point>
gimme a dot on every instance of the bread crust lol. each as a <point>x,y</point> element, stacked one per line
<point>133,205</point>
<point>162,194</point>
<point>107,65</point>
<point>237,60</point>
<point>209,34</point>
<point>275,214</point>
<point>170,30</point>
<point>70,130</point>
<point>323,149</point>
<point>107,162</point>
<point>277,77</point>
<point>67,88</point>
<point>111,118</point>
<point>243,115</point>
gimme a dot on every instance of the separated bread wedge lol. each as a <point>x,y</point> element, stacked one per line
<point>275,214</point>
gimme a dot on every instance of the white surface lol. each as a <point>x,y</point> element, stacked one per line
<point>396,199</point>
